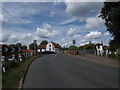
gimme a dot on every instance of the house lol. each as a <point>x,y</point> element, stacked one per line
<point>106,50</point>
<point>42,48</point>
<point>53,47</point>
<point>99,49</point>
<point>28,52</point>
<point>102,50</point>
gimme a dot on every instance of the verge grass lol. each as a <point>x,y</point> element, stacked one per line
<point>12,77</point>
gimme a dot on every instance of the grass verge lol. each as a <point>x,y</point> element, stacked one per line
<point>113,57</point>
<point>12,77</point>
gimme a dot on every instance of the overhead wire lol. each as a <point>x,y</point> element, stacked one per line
<point>15,18</point>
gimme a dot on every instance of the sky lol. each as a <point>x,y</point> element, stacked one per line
<point>60,22</point>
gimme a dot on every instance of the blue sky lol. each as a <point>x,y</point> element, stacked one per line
<point>59,22</point>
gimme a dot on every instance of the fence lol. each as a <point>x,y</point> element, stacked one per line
<point>12,56</point>
<point>89,51</point>
<point>72,52</point>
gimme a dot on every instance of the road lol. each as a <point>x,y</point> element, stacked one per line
<point>64,71</point>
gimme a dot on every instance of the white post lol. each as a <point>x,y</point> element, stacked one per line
<point>101,53</point>
<point>3,67</point>
<point>20,57</point>
<point>106,52</point>
<point>13,56</point>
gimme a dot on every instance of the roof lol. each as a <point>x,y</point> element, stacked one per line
<point>56,45</point>
<point>42,46</point>
<point>98,44</point>
<point>3,45</point>
<point>28,50</point>
<point>105,47</point>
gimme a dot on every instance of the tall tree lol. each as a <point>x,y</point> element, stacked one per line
<point>24,47</point>
<point>12,45</point>
<point>31,46</point>
<point>44,42</point>
<point>73,47</point>
<point>89,46</point>
<point>18,45</point>
<point>111,14</point>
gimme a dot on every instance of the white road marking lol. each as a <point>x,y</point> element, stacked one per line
<point>56,54</point>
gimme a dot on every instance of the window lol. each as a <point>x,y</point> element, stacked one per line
<point>50,45</point>
<point>98,47</point>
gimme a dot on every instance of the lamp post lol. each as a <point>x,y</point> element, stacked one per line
<point>74,42</point>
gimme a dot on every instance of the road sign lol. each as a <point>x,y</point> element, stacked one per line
<point>35,42</point>
<point>11,49</point>
<point>6,49</point>
<point>19,49</point>
<point>74,42</point>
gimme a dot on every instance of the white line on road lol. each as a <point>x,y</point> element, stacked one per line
<point>56,54</point>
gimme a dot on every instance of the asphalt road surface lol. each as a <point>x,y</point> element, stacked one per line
<point>64,71</point>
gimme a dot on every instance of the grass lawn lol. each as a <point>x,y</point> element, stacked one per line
<point>114,57</point>
<point>12,77</point>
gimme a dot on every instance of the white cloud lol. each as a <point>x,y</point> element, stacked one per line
<point>63,40</point>
<point>27,37</point>
<point>70,43</point>
<point>2,19</point>
<point>93,35</point>
<point>64,45</point>
<point>54,33</point>
<point>106,34</point>
<point>71,32</point>
<point>25,21</point>
<point>68,21</point>
<point>13,38</point>
<point>5,37</point>
<point>46,26</point>
<point>44,32</point>
<point>76,36</point>
<point>18,11</point>
<point>94,23</point>
<point>82,0</point>
<point>83,10</point>
<point>58,1</point>
<point>39,34</point>
<point>83,41</point>
<point>52,14</point>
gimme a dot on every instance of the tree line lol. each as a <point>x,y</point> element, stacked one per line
<point>87,46</point>
<point>111,14</point>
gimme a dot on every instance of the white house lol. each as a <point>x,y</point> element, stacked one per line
<point>42,48</point>
<point>102,50</point>
<point>51,46</point>
<point>99,49</point>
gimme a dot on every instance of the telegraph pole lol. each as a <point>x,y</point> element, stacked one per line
<point>35,44</point>
<point>74,42</point>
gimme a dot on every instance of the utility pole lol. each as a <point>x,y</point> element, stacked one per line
<point>35,44</point>
<point>74,42</point>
